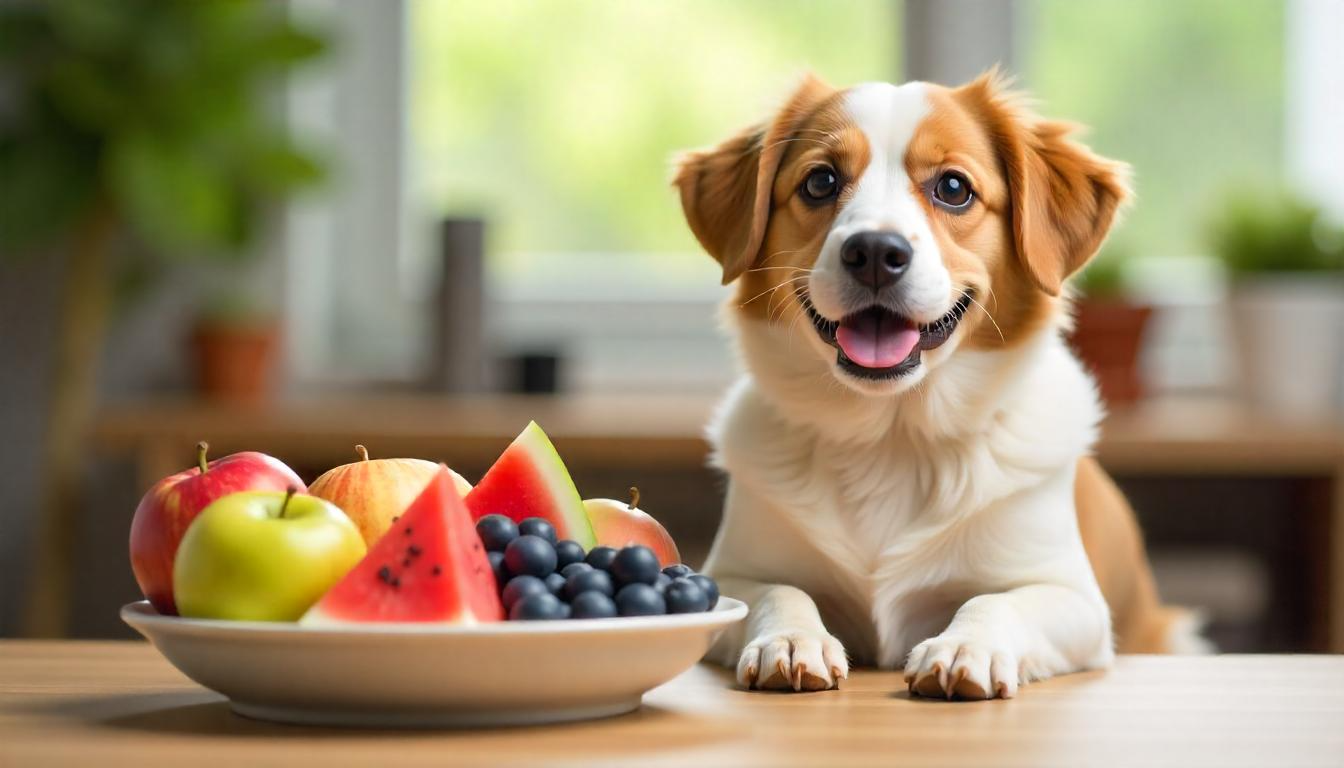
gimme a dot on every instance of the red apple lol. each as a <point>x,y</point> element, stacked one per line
<point>620,524</point>
<point>170,506</point>
<point>372,492</point>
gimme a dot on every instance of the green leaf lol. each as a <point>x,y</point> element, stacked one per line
<point>47,185</point>
<point>173,200</point>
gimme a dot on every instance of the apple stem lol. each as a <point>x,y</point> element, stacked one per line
<point>634,497</point>
<point>201,449</point>
<point>289,494</point>
<point>363,452</point>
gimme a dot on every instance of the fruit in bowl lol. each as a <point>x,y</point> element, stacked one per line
<point>620,524</point>
<point>372,492</point>
<point>529,480</point>
<point>168,509</point>
<point>263,556</point>
<point>603,583</point>
<point>430,566</point>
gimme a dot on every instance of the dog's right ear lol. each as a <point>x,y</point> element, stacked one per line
<point>725,191</point>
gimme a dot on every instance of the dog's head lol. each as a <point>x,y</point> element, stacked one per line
<point>890,225</point>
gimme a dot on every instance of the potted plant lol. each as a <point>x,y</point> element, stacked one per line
<point>235,346</point>
<point>1109,327</point>
<point>1286,264</point>
<point>130,131</point>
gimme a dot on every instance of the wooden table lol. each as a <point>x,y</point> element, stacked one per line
<point>120,703</point>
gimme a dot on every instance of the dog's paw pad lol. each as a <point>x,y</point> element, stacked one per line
<point>797,661</point>
<point>962,668</point>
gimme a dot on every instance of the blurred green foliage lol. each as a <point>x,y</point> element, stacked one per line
<point>155,108</point>
<point>1268,230</point>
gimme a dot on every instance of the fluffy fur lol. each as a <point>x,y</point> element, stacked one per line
<point>933,520</point>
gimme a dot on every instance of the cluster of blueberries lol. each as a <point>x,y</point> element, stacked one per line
<point>542,578</point>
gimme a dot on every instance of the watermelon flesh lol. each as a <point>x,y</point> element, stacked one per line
<point>530,480</point>
<point>430,566</point>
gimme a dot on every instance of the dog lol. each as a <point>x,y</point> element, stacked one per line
<point>909,479</point>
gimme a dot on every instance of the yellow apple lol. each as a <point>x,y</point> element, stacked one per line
<point>372,492</point>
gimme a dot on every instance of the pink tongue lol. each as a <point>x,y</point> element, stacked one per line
<point>875,340</point>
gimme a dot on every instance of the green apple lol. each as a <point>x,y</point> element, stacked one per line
<point>263,556</point>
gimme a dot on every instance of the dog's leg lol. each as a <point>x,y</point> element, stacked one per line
<point>997,641</point>
<point>1058,624</point>
<point>783,644</point>
<point>786,645</point>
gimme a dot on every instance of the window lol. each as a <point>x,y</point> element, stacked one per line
<point>556,120</point>
<point>1190,93</point>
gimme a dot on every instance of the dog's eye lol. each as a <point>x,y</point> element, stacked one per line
<point>820,186</point>
<point>952,191</point>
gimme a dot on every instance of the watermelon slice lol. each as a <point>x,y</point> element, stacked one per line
<point>530,480</point>
<point>428,567</point>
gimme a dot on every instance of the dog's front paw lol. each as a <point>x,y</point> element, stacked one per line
<point>799,661</point>
<point>961,666</point>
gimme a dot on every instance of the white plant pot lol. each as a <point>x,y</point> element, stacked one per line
<point>1289,331</point>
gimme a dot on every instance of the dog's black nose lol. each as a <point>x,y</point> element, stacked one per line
<point>876,258</point>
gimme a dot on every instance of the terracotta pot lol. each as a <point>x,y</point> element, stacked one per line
<point>1108,336</point>
<point>235,363</point>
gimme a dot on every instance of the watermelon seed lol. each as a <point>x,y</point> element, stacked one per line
<point>436,570</point>
<point>385,573</point>
<point>408,530</point>
<point>395,518</point>
<point>413,551</point>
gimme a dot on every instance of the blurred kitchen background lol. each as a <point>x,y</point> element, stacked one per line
<point>416,224</point>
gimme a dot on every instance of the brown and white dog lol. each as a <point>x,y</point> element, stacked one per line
<point>909,480</point>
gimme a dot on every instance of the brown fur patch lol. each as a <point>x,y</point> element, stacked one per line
<point>1063,198</point>
<point>726,191</point>
<point>1114,545</point>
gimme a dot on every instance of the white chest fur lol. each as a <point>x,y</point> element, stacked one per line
<point>892,513</point>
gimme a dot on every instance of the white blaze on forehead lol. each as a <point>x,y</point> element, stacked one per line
<point>883,199</point>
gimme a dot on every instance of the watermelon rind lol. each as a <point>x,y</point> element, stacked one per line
<point>566,512</point>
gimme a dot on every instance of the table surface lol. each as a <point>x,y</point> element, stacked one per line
<point>120,703</point>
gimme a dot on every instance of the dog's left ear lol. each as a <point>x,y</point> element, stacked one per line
<point>1064,196</point>
<point>725,191</point>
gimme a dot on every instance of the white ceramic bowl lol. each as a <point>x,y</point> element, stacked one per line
<point>422,675</point>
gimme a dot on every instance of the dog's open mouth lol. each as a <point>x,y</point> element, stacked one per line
<point>876,343</point>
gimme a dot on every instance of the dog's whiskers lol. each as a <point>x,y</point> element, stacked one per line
<point>772,290</point>
<point>988,315</point>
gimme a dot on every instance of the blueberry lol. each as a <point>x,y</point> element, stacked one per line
<point>635,565</point>
<point>497,565</point>
<point>567,552</point>
<point>640,600</point>
<point>556,583</point>
<point>573,568</point>
<point>496,531</point>
<point>678,571</point>
<point>710,587</point>
<point>543,607</point>
<point>591,580</point>
<point>536,526</point>
<point>521,588</point>
<point>592,605</point>
<point>531,555</point>
<point>661,583</point>
<point>685,596</point>
<point>600,558</point>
